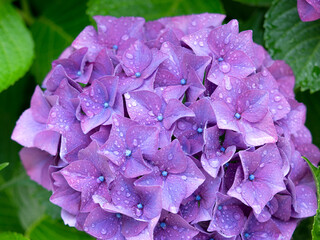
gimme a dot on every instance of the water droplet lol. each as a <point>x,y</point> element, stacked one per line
<point>135,142</point>
<point>181,125</point>
<point>224,67</point>
<point>227,39</point>
<point>127,96</point>
<point>214,163</point>
<point>125,37</point>
<point>277,98</point>
<point>129,55</point>
<point>264,72</point>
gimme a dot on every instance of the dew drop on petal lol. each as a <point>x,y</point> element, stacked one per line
<point>224,67</point>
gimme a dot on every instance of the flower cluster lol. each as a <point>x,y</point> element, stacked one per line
<point>309,10</point>
<point>179,128</point>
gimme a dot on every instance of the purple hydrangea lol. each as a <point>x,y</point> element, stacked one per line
<point>179,128</point>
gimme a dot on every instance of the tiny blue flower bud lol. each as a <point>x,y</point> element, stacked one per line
<point>100,179</point>
<point>138,74</point>
<point>183,81</point>
<point>164,173</point>
<point>198,198</point>
<point>251,177</point>
<point>199,130</point>
<point>163,225</point>
<point>237,116</point>
<point>128,153</point>
<point>106,105</point>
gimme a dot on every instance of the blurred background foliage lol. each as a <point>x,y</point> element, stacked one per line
<point>34,32</point>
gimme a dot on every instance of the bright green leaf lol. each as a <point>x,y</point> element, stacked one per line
<point>316,223</point>
<point>3,165</point>
<point>12,236</point>
<point>16,46</point>
<point>60,23</point>
<point>259,3</point>
<point>48,228</point>
<point>152,9</point>
<point>296,42</point>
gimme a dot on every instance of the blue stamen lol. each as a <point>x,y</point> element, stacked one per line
<point>163,225</point>
<point>106,105</point>
<point>222,149</point>
<point>164,173</point>
<point>198,198</point>
<point>183,81</point>
<point>220,59</point>
<point>251,177</point>
<point>237,116</point>
<point>246,235</point>
<point>101,179</point>
<point>128,153</point>
<point>227,164</point>
<point>79,73</point>
<point>138,74</point>
<point>139,205</point>
<point>219,207</point>
<point>118,215</point>
<point>160,118</point>
<point>115,47</point>
<point>199,130</point>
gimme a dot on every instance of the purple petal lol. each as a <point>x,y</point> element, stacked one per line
<point>36,163</point>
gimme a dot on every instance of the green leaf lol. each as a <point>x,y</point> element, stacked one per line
<point>316,224</point>
<point>152,9</point>
<point>303,231</point>
<point>313,113</point>
<point>59,24</point>
<point>3,165</point>
<point>9,220</point>
<point>12,236</point>
<point>296,42</point>
<point>255,23</point>
<point>258,3</point>
<point>48,228</point>
<point>16,99</point>
<point>16,46</point>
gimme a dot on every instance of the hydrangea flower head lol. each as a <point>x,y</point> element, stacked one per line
<point>179,128</point>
